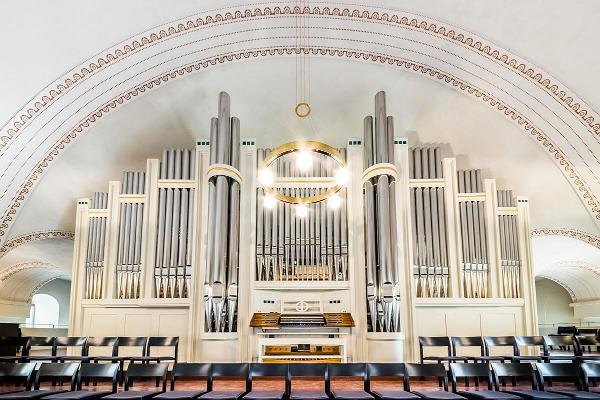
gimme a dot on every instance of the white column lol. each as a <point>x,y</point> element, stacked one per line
<point>453,227</point>
<point>149,229</point>
<point>493,237</point>
<point>356,248</point>
<point>404,249</point>
<point>527,273</point>
<point>111,245</point>
<point>78,270</point>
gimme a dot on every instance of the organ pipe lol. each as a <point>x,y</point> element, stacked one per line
<point>289,248</point>
<point>94,256</point>
<point>510,261</point>
<point>381,262</point>
<point>428,224</point>
<point>221,278</point>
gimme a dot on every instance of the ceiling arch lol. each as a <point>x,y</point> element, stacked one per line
<point>563,125</point>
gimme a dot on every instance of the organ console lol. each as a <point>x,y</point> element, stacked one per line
<point>253,253</point>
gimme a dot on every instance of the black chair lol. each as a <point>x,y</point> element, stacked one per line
<point>567,330</point>
<point>588,348</point>
<point>429,371</point>
<point>566,345</point>
<point>438,341</point>
<point>138,342</point>
<point>109,343</point>
<point>516,371</point>
<point>473,341</point>
<point>47,371</point>
<point>588,332</point>
<point>185,371</point>
<point>271,371</point>
<point>531,341</point>
<point>591,372</point>
<point>347,370</point>
<point>476,372</point>
<point>89,371</point>
<point>564,372</point>
<point>159,341</point>
<point>41,343</point>
<point>501,341</point>
<point>388,370</point>
<point>313,370</point>
<point>15,346</point>
<point>225,370</point>
<point>71,341</point>
<point>17,373</point>
<point>141,371</point>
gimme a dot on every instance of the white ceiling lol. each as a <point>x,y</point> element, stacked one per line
<point>51,39</point>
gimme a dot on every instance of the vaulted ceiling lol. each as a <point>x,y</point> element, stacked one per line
<point>89,91</point>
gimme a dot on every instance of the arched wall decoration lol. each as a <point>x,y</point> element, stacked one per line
<point>39,286</point>
<point>23,290</point>
<point>9,272</point>
<point>561,123</point>
<point>562,284</point>
<point>586,237</point>
<point>17,241</point>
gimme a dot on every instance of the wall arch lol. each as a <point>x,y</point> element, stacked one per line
<point>563,125</point>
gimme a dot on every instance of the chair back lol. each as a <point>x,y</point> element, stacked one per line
<point>425,371</point>
<point>476,371</point>
<point>585,343</point>
<point>565,341</point>
<point>103,341</point>
<point>566,330</point>
<point>306,370</point>
<point>345,370</point>
<point>388,370</point>
<point>434,341</point>
<point>531,341</point>
<point>136,341</point>
<point>142,371</point>
<point>278,370</point>
<point>514,371</point>
<point>588,331</point>
<point>23,371</point>
<point>590,371</point>
<point>189,370</point>
<point>98,371</point>
<point>41,341</point>
<point>57,370</point>
<point>72,341</point>
<point>11,345</point>
<point>500,341</point>
<point>569,372</point>
<point>467,341</point>
<point>229,370</point>
<point>164,341</point>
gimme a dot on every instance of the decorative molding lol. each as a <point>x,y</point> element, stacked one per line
<point>390,18</point>
<point>562,284</point>
<point>589,238</point>
<point>17,241</point>
<point>11,271</point>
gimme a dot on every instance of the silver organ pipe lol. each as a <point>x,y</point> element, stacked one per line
<point>129,260</point>
<point>428,220</point>
<point>473,236</point>
<point>510,261</point>
<point>172,263</point>
<point>289,248</point>
<point>381,264</point>
<point>96,240</point>
<point>221,278</point>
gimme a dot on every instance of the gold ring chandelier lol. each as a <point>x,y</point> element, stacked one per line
<point>304,150</point>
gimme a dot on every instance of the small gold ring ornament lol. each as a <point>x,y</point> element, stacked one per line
<point>302,110</point>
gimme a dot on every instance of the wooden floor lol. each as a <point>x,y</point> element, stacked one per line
<point>277,384</point>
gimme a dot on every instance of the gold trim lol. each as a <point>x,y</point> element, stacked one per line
<point>297,109</point>
<point>226,170</point>
<point>300,145</point>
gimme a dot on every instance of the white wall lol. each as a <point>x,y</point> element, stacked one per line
<point>553,306</point>
<point>60,289</point>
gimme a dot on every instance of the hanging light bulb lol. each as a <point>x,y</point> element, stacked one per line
<point>301,210</point>
<point>304,160</point>
<point>341,176</point>
<point>334,201</point>
<point>269,202</point>
<point>265,177</point>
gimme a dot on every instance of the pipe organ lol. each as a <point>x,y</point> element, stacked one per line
<point>305,265</point>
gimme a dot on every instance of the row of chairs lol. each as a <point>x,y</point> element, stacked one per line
<point>493,375</point>
<point>565,348</point>
<point>111,346</point>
